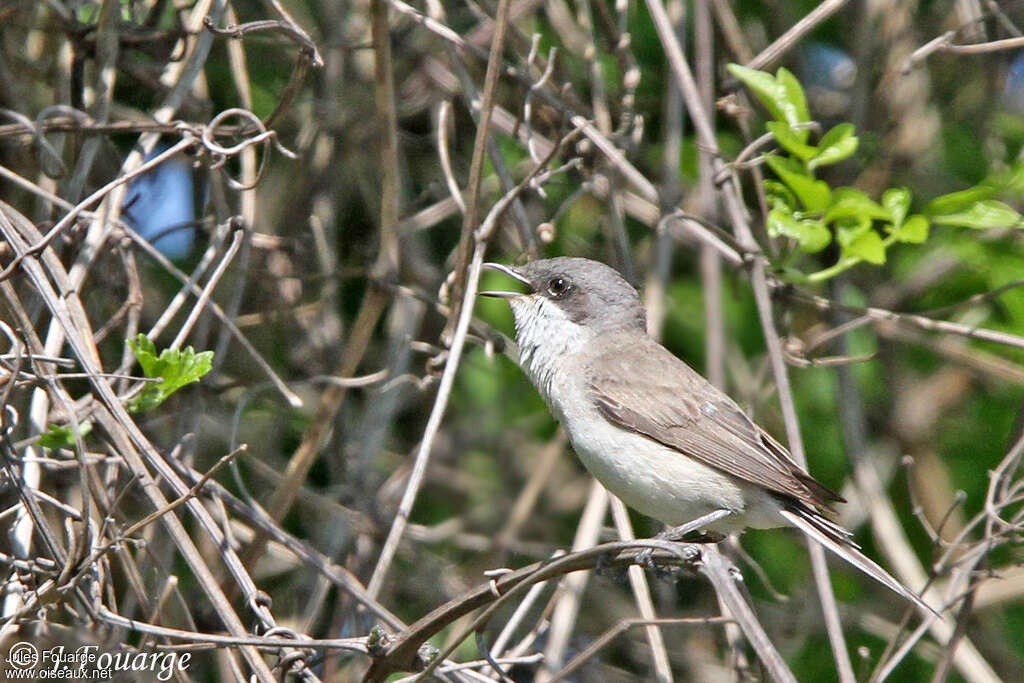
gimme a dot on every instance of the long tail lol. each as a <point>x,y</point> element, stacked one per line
<point>836,539</point>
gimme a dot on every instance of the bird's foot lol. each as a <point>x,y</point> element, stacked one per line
<point>667,570</point>
<point>664,572</point>
<point>691,532</point>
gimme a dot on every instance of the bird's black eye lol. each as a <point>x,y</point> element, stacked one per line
<point>558,286</point>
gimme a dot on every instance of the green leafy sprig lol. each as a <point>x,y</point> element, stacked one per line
<point>63,436</point>
<point>175,367</point>
<point>813,214</point>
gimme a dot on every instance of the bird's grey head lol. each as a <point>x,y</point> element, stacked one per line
<point>570,302</point>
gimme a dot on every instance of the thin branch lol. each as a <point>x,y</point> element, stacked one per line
<point>758,277</point>
<point>944,43</point>
<point>624,625</point>
<point>481,235</point>
<point>476,167</point>
<point>796,32</point>
<point>495,593</point>
<point>642,596</point>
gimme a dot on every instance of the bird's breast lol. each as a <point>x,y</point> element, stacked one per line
<point>648,476</point>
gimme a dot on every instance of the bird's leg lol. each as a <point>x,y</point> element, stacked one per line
<point>678,533</point>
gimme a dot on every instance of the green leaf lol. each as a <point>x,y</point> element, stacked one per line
<point>175,367</point>
<point>63,436</point>
<point>897,201</point>
<point>790,141</point>
<point>782,95</point>
<point>837,144</point>
<point>956,202</point>
<point>849,229</point>
<point>779,194</point>
<point>812,236</point>
<point>796,100</point>
<point>868,246</point>
<point>981,215</point>
<point>815,195</point>
<point>849,202</point>
<point>1009,181</point>
<point>914,230</point>
<point>761,83</point>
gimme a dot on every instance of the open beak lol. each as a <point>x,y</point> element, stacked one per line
<point>511,272</point>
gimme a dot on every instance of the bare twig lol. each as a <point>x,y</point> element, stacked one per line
<point>759,281</point>
<point>448,375</point>
<point>790,38</point>
<point>483,129</point>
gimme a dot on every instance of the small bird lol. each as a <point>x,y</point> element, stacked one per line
<point>650,428</point>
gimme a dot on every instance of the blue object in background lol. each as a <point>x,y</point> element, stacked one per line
<point>1013,89</point>
<point>828,75</point>
<point>160,205</point>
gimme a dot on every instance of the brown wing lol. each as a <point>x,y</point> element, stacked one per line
<point>655,394</point>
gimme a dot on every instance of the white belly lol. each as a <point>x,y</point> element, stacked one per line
<point>654,479</point>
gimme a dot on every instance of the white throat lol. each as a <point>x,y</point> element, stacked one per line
<point>546,337</point>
